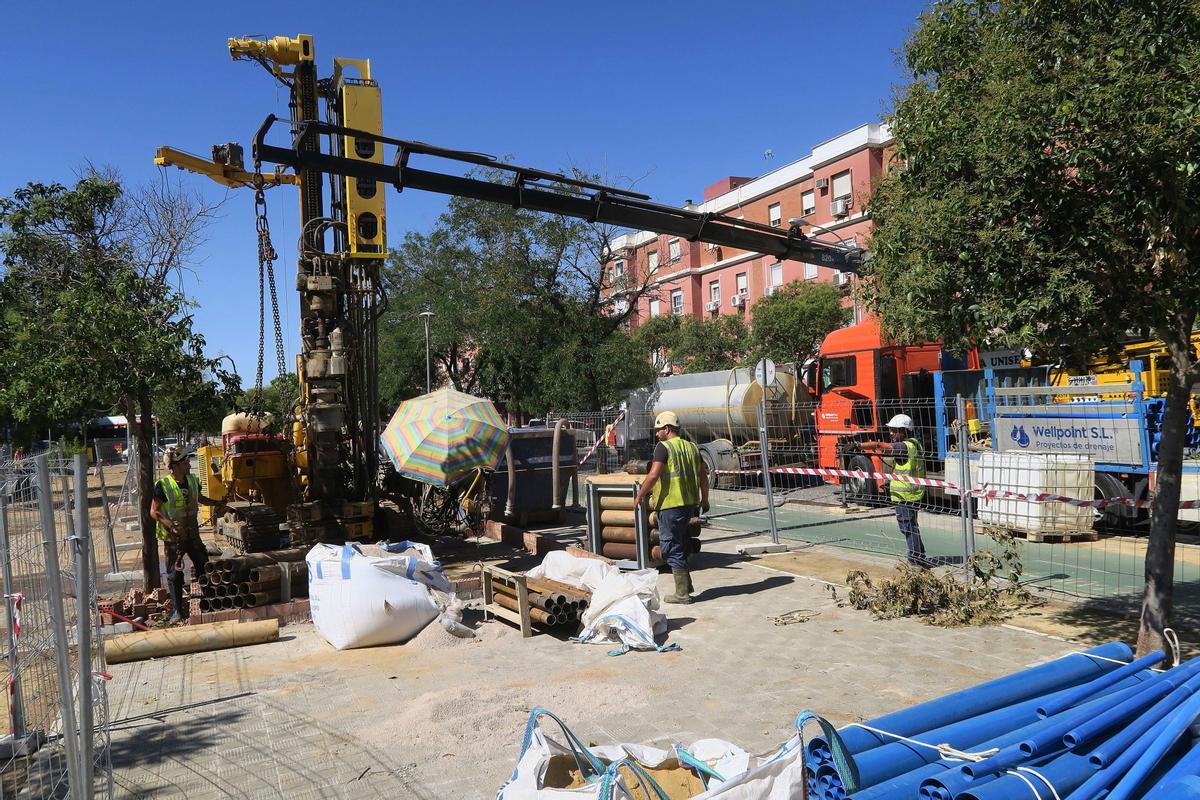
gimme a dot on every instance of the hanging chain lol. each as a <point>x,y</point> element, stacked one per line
<point>266,279</point>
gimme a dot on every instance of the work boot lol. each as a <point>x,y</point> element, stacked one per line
<point>683,589</point>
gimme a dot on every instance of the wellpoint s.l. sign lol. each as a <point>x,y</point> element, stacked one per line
<point>1115,439</point>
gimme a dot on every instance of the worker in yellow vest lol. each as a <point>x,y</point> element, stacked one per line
<point>678,484</point>
<point>904,456</point>
<point>175,506</point>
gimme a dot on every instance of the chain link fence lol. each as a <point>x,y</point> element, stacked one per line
<point>56,704</point>
<point>1060,475</point>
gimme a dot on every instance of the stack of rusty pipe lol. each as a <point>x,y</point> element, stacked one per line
<point>253,580</point>
<point>618,533</point>
<point>551,604</point>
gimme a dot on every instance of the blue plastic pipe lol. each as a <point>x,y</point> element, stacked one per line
<point>1094,728</point>
<point>1165,739</point>
<point>1062,673</point>
<point>1128,737</point>
<point>1187,765</point>
<point>882,763</point>
<point>1185,788</point>
<point>1091,688</point>
<point>1065,772</point>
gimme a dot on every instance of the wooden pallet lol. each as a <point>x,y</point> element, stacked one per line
<point>519,618</point>
<point>1044,537</point>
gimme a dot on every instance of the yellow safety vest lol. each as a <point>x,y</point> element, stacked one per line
<point>913,466</point>
<point>177,509</point>
<point>679,484</point>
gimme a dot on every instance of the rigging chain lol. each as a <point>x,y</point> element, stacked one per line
<point>266,279</point>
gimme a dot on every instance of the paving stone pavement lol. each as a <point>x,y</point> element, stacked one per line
<point>297,719</point>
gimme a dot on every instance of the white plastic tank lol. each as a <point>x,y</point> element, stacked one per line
<point>723,404</point>
<point>1063,474</point>
<point>242,422</point>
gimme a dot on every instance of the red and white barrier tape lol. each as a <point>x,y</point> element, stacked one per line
<point>17,598</point>
<point>983,491</point>
<point>600,439</point>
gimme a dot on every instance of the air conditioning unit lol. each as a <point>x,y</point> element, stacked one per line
<point>714,305</point>
<point>737,300</point>
<point>822,183</point>
<point>841,279</point>
<point>840,208</point>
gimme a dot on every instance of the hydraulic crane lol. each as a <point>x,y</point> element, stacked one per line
<point>343,242</point>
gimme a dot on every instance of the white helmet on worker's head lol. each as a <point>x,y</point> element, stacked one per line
<point>666,418</point>
<point>173,455</point>
<point>901,421</point>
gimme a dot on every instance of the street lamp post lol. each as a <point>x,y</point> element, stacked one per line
<point>425,315</point>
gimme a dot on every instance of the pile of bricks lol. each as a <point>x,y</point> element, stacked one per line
<point>137,604</point>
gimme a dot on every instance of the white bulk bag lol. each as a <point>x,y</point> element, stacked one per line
<point>362,601</point>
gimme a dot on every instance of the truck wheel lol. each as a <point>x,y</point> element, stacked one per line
<point>862,489</point>
<point>1113,519</point>
<point>710,463</point>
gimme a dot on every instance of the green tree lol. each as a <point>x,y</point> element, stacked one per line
<point>279,398</point>
<point>1046,196</point>
<point>702,345</point>
<point>790,324</point>
<point>91,316</point>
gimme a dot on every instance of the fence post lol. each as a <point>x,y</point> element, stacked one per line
<point>111,539</point>
<point>766,466</point>
<point>628,449</point>
<point>82,546</point>
<point>16,696</point>
<point>58,621</point>
<point>964,486</point>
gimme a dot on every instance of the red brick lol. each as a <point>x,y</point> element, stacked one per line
<point>579,552</point>
<point>539,545</point>
<point>107,619</point>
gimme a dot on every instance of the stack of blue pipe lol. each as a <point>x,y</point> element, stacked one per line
<point>1093,725</point>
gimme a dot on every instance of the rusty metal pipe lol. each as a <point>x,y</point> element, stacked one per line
<point>274,572</point>
<point>535,599</point>
<point>549,585</point>
<point>536,614</point>
<point>629,552</point>
<point>256,599</point>
<point>612,503</point>
<point>622,535</point>
<point>554,470</point>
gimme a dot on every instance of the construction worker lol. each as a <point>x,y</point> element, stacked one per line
<point>904,455</point>
<point>175,506</point>
<point>678,480</point>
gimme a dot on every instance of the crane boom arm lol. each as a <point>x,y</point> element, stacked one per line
<point>538,190</point>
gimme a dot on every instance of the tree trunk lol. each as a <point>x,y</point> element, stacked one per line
<point>1164,511</point>
<point>143,434</point>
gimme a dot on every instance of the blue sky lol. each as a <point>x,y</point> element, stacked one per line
<point>673,94</point>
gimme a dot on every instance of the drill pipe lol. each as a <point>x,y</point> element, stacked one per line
<point>535,599</point>
<point>275,573</point>
<point>547,584</point>
<point>616,503</point>
<point>256,599</point>
<point>536,614</point>
<point>552,599</point>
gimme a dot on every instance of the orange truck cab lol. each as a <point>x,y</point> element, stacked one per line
<point>861,378</point>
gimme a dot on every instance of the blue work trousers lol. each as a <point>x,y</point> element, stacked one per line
<point>673,534</point>
<point>906,518</point>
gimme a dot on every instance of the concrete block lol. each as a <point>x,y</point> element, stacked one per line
<point>758,549</point>
<point>122,577</point>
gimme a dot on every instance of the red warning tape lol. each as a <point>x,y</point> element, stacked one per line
<point>600,439</point>
<point>983,491</point>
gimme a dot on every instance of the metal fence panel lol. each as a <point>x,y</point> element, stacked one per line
<point>53,652</point>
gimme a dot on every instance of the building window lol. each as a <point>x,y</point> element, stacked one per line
<point>655,308</point>
<point>810,272</point>
<point>841,185</point>
<point>775,215</point>
<point>743,285</point>
<point>714,291</point>
<point>652,260</point>
<point>673,250</point>
<point>808,203</point>
<point>677,301</point>
<point>776,275</point>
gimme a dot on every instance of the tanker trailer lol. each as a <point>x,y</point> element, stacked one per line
<point>719,412</point>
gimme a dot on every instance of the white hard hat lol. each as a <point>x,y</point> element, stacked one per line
<point>666,418</point>
<point>901,421</point>
<point>173,455</point>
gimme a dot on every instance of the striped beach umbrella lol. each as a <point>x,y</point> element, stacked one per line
<point>439,437</point>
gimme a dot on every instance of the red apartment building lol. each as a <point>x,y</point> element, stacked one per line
<point>828,188</point>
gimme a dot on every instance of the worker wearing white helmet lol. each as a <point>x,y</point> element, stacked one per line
<point>904,456</point>
<point>678,485</point>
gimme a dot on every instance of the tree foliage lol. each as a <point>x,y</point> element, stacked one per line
<point>790,324</point>
<point>692,344</point>
<point>1046,194</point>
<point>92,317</point>
<point>521,311</point>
